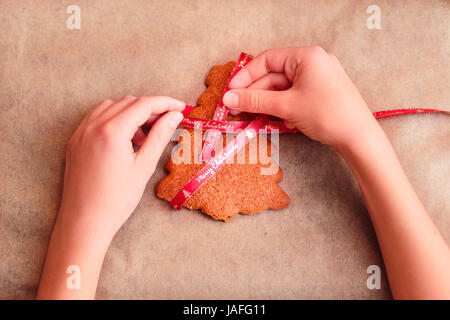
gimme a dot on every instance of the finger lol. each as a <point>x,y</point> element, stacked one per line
<point>336,61</point>
<point>99,109</point>
<point>288,124</point>
<point>158,138</point>
<point>257,101</point>
<point>272,81</point>
<point>139,112</point>
<point>234,112</point>
<point>92,115</point>
<point>139,137</point>
<point>115,108</point>
<point>272,60</point>
<point>281,60</point>
<point>155,117</point>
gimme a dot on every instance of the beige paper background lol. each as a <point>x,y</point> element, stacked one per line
<point>321,245</point>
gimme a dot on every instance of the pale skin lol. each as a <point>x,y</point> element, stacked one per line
<point>309,90</point>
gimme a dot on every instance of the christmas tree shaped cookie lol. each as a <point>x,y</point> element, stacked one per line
<point>247,184</point>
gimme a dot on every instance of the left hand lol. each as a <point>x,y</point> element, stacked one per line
<point>104,178</point>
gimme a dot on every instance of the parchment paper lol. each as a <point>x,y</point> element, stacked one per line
<point>321,245</point>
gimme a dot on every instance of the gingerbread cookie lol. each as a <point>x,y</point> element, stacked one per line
<point>247,184</point>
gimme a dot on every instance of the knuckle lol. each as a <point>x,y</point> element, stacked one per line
<point>317,51</point>
<point>89,129</point>
<point>334,58</point>
<point>254,102</point>
<point>144,99</point>
<point>85,135</point>
<point>266,52</point>
<point>128,97</point>
<point>162,136</point>
<point>107,101</point>
<point>106,131</point>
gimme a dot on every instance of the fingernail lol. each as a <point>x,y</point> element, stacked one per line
<point>231,99</point>
<point>177,117</point>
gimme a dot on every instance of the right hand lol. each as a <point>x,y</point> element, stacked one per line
<point>307,88</point>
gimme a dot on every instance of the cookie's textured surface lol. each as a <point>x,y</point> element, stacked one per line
<point>240,187</point>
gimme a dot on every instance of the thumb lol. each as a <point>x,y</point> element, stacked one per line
<point>158,138</point>
<point>257,101</point>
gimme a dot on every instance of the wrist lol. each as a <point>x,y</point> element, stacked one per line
<point>362,142</point>
<point>80,228</point>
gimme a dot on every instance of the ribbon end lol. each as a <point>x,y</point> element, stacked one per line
<point>176,206</point>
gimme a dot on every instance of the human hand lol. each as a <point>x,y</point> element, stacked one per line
<point>104,178</point>
<point>307,88</point>
<point>104,181</point>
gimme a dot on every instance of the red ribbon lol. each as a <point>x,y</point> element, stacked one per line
<point>216,163</point>
<point>212,136</point>
<point>236,126</point>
